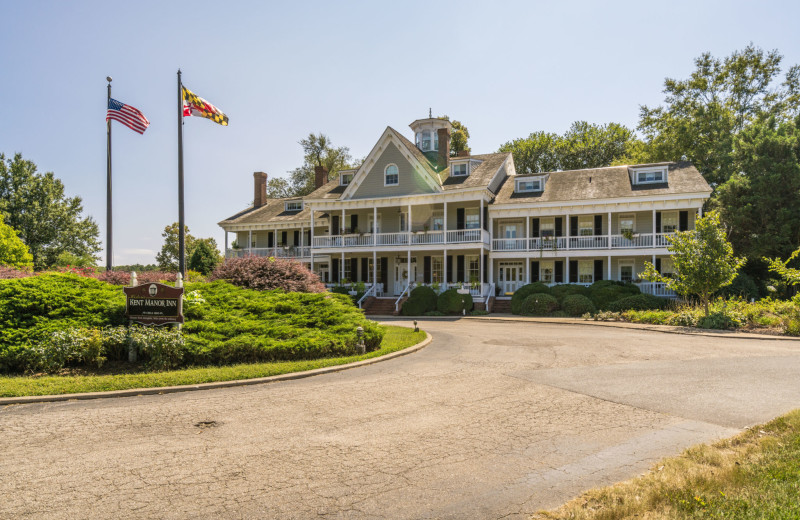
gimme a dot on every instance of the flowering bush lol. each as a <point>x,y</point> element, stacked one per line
<point>8,273</point>
<point>267,273</point>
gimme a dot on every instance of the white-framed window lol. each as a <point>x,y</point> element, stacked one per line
<point>546,270</point>
<point>437,221</point>
<point>509,230</point>
<point>667,267</point>
<point>472,219</point>
<point>371,224</point>
<point>426,141</point>
<point>437,269</point>
<point>460,170</point>
<point>651,176</point>
<point>585,271</point>
<point>296,205</point>
<point>586,225</point>
<point>347,273</point>
<point>345,179</point>
<point>547,227</point>
<point>627,270</point>
<point>528,185</point>
<point>435,140</point>
<point>391,175</point>
<point>403,223</point>
<point>627,223</point>
<point>473,268</point>
<point>669,221</point>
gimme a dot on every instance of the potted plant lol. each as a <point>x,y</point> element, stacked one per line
<point>464,289</point>
<point>628,234</point>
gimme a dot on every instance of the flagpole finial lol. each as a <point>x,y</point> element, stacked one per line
<point>108,78</point>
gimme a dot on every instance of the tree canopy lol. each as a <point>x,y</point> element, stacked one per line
<point>459,136</point>
<point>318,150</point>
<point>48,222</point>
<point>167,258</point>
<point>13,252</point>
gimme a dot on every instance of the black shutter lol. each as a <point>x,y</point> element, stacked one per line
<point>534,271</point>
<point>459,218</point>
<point>296,238</point>
<point>534,227</point>
<point>335,225</point>
<point>364,269</point>
<point>683,221</point>
<point>658,265</point>
<point>353,223</point>
<point>460,268</point>
<point>271,239</point>
<point>598,224</point>
<point>573,271</point>
<point>284,237</point>
<point>559,226</point>
<point>426,268</point>
<point>658,222</point>
<point>598,270</point>
<point>449,264</point>
<point>334,269</point>
<point>353,269</point>
<point>485,268</point>
<point>573,226</point>
<point>486,218</point>
<point>385,273</point>
<point>559,271</point>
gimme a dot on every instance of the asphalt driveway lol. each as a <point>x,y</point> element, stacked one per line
<point>492,419</point>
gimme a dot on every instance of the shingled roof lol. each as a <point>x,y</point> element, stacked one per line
<point>604,183</point>
<point>480,176</point>
<point>273,211</point>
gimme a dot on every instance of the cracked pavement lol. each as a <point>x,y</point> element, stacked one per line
<point>491,420</point>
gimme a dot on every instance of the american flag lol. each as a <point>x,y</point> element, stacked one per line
<point>127,115</point>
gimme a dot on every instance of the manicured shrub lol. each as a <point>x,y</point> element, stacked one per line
<point>203,259</point>
<point>561,291</point>
<point>638,302</point>
<point>577,305</point>
<point>421,300</point>
<point>450,302</point>
<point>267,273</point>
<point>717,320</point>
<point>118,277</point>
<point>603,292</point>
<point>523,292</point>
<point>539,304</point>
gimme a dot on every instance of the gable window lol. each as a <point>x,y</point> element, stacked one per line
<point>472,219</point>
<point>586,225</point>
<point>391,176</point>
<point>345,179</point>
<point>651,176</point>
<point>527,185</point>
<point>294,206</point>
<point>459,170</point>
<point>669,221</point>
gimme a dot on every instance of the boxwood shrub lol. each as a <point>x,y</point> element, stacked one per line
<point>421,300</point>
<point>539,304</point>
<point>450,302</point>
<point>523,292</point>
<point>603,292</point>
<point>638,302</point>
<point>563,290</point>
<point>577,305</point>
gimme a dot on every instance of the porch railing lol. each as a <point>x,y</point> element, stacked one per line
<point>635,241</point>
<point>404,238</point>
<point>657,289</point>
<point>277,252</point>
<point>369,292</point>
<point>400,298</point>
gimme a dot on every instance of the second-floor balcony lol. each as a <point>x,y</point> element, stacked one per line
<point>636,241</point>
<point>413,238</point>
<point>277,252</point>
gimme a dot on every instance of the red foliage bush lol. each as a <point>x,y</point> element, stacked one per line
<point>267,273</point>
<point>124,277</point>
<point>7,273</point>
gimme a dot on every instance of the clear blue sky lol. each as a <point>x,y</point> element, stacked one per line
<point>281,70</point>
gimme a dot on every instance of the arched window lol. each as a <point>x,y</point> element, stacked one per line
<point>391,176</point>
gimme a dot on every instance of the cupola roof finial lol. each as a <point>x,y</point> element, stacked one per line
<point>430,113</point>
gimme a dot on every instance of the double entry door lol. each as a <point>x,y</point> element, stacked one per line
<point>510,277</point>
<point>401,274</point>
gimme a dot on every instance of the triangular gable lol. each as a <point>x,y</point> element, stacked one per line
<point>416,176</point>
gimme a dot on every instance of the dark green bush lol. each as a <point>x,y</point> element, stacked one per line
<point>743,285</point>
<point>450,302</point>
<point>203,259</point>
<point>717,320</point>
<point>638,302</point>
<point>603,292</point>
<point>421,300</point>
<point>561,291</point>
<point>525,291</point>
<point>539,304</point>
<point>577,305</point>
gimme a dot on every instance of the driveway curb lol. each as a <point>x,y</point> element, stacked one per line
<point>209,386</point>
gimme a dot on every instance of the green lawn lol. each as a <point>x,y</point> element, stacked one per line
<point>396,338</point>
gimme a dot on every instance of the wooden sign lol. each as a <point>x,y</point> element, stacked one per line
<point>154,304</point>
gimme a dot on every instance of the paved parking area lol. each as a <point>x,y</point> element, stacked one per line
<point>492,420</point>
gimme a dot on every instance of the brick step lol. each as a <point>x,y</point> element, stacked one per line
<point>380,307</point>
<point>502,306</point>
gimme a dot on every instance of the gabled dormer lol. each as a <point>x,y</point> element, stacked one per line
<point>649,174</point>
<point>463,166</point>
<point>293,205</point>
<point>530,183</point>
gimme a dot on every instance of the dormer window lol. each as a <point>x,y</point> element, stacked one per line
<point>391,176</point>
<point>460,170</point>
<point>531,184</point>
<point>345,179</point>
<point>650,176</point>
<point>296,205</point>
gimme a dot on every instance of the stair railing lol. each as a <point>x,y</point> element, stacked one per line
<point>400,298</point>
<point>369,292</point>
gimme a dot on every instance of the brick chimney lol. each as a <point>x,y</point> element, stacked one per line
<point>320,176</point>
<point>259,189</point>
<point>444,148</point>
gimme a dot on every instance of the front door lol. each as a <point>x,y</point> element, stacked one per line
<point>401,275</point>
<point>324,273</point>
<point>510,277</point>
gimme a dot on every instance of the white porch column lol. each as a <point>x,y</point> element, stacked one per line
<point>527,240</point>
<point>481,268</point>
<point>609,230</point>
<point>444,268</point>
<point>408,223</point>
<point>700,211</point>
<point>312,262</point>
<point>311,238</point>
<point>374,226</point>
<point>374,269</point>
<point>566,269</point>
<point>302,237</point>
<point>654,227</point>
<point>491,269</point>
<point>249,240</point>
<point>341,226</point>
<point>567,225</point>
<point>341,269</point>
<point>527,271</point>
<point>226,241</point>
<point>480,216</point>
<point>609,267</point>
<point>409,261</point>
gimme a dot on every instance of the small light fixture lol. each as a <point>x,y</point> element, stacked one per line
<point>416,329</point>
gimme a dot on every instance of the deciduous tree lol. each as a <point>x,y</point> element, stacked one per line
<point>13,252</point>
<point>167,258</point>
<point>318,151</point>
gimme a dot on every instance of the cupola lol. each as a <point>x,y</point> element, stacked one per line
<point>427,136</point>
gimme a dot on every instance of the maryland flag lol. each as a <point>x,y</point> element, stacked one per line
<point>194,105</point>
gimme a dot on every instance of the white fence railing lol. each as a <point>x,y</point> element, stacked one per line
<point>402,239</point>
<point>277,252</point>
<point>657,289</point>
<point>635,241</point>
<point>638,241</point>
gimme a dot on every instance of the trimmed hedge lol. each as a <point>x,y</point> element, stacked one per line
<point>523,292</point>
<point>638,302</point>
<point>421,300</point>
<point>603,292</point>
<point>539,304</point>
<point>564,290</point>
<point>577,305</point>
<point>450,302</point>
